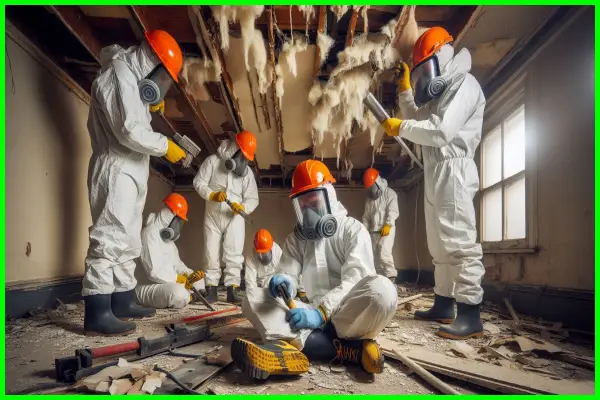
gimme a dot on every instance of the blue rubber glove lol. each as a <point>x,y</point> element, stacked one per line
<point>277,280</point>
<point>304,318</point>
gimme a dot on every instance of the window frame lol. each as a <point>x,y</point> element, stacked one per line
<point>501,106</point>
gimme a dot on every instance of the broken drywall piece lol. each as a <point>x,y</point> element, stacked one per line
<point>525,344</point>
<point>463,349</point>
<point>102,387</point>
<point>295,44</point>
<point>153,381</point>
<point>120,386</point>
<point>107,374</point>
<point>324,42</point>
<point>137,387</point>
<point>491,328</point>
<point>339,11</point>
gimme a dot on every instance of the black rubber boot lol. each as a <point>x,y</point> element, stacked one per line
<point>100,320</point>
<point>326,346</point>
<point>233,296</point>
<point>442,311</point>
<point>124,305</point>
<point>211,296</point>
<point>466,325</point>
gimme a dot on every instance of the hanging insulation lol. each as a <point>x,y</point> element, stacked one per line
<point>246,17</point>
<point>295,44</point>
<point>324,42</point>
<point>309,13</point>
<point>339,11</point>
<point>409,33</point>
<point>195,73</point>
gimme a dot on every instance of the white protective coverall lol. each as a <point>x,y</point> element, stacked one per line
<point>159,266</point>
<point>122,143</point>
<point>257,274</point>
<point>379,212</point>
<point>220,222</point>
<point>338,275</point>
<point>449,129</point>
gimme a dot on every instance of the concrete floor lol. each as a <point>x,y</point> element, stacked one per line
<point>33,343</point>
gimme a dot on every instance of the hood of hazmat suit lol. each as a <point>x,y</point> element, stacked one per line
<point>258,274</point>
<point>221,225</point>
<point>122,142</point>
<point>449,129</point>
<point>330,267</point>
<point>160,258</point>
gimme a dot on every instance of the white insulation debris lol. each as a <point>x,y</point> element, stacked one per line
<point>196,72</point>
<point>339,11</point>
<point>409,33</point>
<point>279,83</point>
<point>246,16</point>
<point>324,42</point>
<point>309,13</point>
<point>295,44</point>
<point>339,102</point>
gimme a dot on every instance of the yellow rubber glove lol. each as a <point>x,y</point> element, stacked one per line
<point>218,197</point>
<point>182,279</point>
<point>385,230</point>
<point>236,207</point>
<point>392,126</point>
<point>160,107</point>
<point>195,277</point>
<point>174,152</point>
<point>403,77</point>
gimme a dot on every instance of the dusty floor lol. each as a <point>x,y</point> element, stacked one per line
<point>33,343</point>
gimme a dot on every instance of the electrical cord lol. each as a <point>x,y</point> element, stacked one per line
<point>176,381</point>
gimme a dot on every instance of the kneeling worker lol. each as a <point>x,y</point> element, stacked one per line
<point>349,303</point>
<point>164,280</point>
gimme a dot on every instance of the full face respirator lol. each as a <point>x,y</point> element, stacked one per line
<point>155,85</point>
<point>426,81</point>
<point>173,231</point>
<point>237,164</point>
<point>313,215</point>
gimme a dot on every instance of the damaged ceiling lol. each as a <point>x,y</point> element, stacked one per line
<point>229,96</point>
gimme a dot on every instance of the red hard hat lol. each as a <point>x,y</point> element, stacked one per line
<point>167,50</point>
<point>369,177</point>
<point>429,42</point>
<point>177,204</point>
<point>263,241</point>
<point>308,175</point>
<point>247,143</point>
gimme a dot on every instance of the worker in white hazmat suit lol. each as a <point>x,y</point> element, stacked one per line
<point>122,139</point>
<point>263,262</point>
<point>381,212</point>
<point>349,303</point>
<point>445,116</point>
<point>164,281</point>
<point>227,176</point>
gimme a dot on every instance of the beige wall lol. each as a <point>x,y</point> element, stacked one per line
<point>560,108</point>
<point>47,155</point>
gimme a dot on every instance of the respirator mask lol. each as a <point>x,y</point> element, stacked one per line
<point>313,215</point>
<point>426,80</point>
<point>173,231</point>
<point>155,85</point>
<point>237,164</point>
<point>374,191</point>
<point>265,258</point>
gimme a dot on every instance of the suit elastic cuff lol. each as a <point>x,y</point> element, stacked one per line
<point>323,312</point>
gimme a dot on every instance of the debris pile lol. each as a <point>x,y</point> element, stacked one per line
<point>123,378</point>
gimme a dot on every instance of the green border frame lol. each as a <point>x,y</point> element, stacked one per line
<point>277,2</point>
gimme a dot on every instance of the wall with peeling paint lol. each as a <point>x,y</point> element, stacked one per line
<point>47,156</point>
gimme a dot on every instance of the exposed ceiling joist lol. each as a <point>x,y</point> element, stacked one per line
<point>469,20</point>
<point>206,135</point>
<point>276,105</point>
<point>320,29</point>
<point>75,21</point>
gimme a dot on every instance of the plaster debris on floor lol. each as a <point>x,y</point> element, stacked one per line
<point>532,348</point>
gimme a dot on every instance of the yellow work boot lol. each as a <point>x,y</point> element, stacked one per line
<point>259,361</point>
<point>366,353</point>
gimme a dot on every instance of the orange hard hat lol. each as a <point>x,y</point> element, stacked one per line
<point>247,142</point>
<point>263,241</point>
<point>177,204</point>
<point>308,175</point>
<point>369,177</point>
<point>167,50</point>
<point>429,42</point>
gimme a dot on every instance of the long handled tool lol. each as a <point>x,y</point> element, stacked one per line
<point>203,299</point>
<point>282,289</point>
<point>242,213</point>
<point>381,115</point>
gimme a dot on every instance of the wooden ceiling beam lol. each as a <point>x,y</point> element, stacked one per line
<point>465,21</point>
<point>75,21</point>
<point>207,136</point>
<point>278,118</point>
<point>322,16</point>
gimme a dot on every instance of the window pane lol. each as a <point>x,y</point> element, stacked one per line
<point>514,143</point>
<point>515,210</point>
<point>492,163</point>
<point>492,215</point>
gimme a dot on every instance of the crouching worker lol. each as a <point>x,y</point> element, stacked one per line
<point>349,303</point>
<point>164,280</point>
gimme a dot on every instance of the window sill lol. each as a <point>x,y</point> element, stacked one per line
<point>511,251</point>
